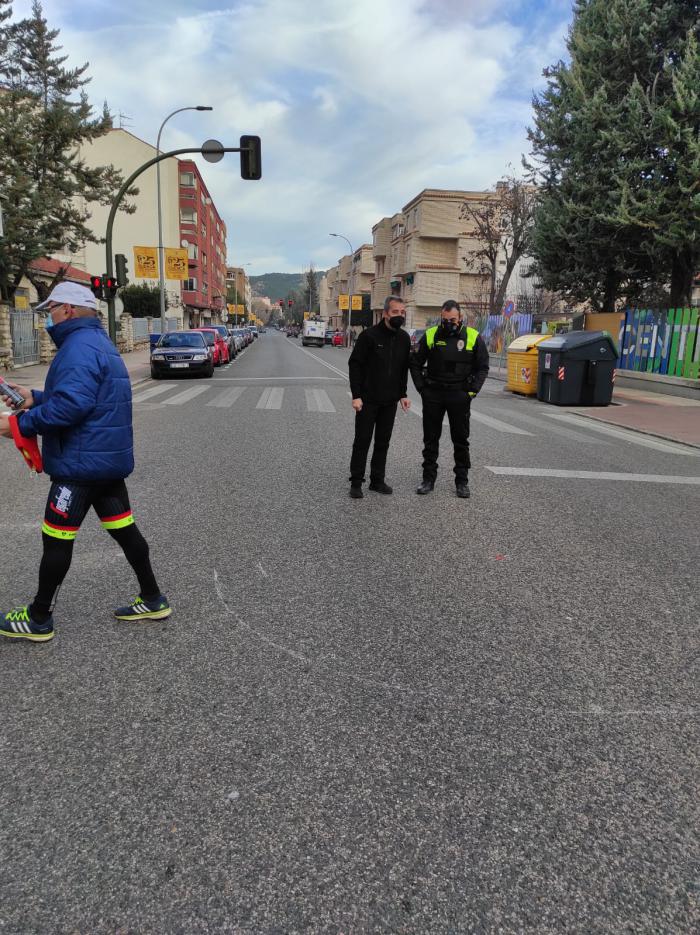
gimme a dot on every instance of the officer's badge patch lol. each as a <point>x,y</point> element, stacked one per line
<point>460,345</point>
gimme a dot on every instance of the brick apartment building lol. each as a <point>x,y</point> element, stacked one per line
<point>204,234</point>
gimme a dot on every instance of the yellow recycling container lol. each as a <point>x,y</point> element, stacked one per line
<point>522,364</point>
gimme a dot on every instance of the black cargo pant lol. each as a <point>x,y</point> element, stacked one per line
<point>377,419</point>
<point>456,403</point>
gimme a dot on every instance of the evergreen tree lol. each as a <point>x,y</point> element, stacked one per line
<point>45,118</point>
<point>142,301</point>
<point>311,291</point>
<point>599,152</point>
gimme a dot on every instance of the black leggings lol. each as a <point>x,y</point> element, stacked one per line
<point>66,508</point>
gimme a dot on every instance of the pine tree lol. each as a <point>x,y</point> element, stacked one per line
<point>45,118</point>
<point>597,159</point>
<point>311,291</point>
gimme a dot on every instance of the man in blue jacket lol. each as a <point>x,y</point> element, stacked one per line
<point>84,417</point>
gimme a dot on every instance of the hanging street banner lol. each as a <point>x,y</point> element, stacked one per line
<point>343,301</point>
<point>176,263</point>
<point>357,303</point>
<point>146,262</point>
<point>240,310</point>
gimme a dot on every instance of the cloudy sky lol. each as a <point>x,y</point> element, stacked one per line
<point>360,103</point>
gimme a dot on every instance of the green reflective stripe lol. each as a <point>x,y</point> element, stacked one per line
<point>472,335</point>
<point>430,337</point>
<point>59,532</point>
<point>117,522</point>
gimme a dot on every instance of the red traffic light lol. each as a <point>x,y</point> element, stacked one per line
<point>110,285</point>
<point>290,303</point>
<point>96,286</point>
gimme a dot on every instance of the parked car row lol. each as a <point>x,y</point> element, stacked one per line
<point>199,350</point>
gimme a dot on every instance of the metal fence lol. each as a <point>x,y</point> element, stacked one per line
<point>140,326</point>
<point>25,337</point>
<point>661,341</point>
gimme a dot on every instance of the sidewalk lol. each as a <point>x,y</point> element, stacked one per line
<point>137,363</point>
<point>673,418</point>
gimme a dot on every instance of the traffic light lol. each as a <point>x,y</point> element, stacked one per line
<point>96,287</point>
<point>290,302</point>
<point>251,164</point>
<point>110,285</point>
<point>122,269</point>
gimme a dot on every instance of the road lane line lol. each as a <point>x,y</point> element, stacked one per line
<point>322,362</point>
<point>311,401</point>
<point>596,475</point>
<point>185,397</point>
<point>153,391</point>
<point>627,435</point>
<point>498,425</point>
<point>559,430</point>
<point>227,397</point>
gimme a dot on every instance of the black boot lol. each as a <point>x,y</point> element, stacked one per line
<point>426,486</point>
<point>356,493</point>
<point>463,490</point>
<point>379,486</point>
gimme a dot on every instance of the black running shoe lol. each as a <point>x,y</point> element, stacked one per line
<point>18,624</point>
<point>145,610</point>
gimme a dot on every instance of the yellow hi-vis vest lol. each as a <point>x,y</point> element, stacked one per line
<point>472,335</point>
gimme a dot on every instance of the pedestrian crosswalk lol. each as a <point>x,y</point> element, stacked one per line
<point>528,428</point>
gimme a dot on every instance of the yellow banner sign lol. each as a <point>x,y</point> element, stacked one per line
<point>357,303</point>
<point>176,263</point>
<point>146,262</point>
<point>21,301</point>
<point>343,302</point>
<point>240,309</point>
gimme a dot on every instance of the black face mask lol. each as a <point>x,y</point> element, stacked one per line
<point>451,327</point>
<point>397,321</point>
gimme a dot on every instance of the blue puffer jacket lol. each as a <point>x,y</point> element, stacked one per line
<point>84,412</point>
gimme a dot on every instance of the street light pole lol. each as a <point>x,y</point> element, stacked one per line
<point>352,254</point>
<point>161,265</point>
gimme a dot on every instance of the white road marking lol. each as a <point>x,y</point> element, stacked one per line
<point>635,438</point>
<point>497,424</point>
<point>227,397</point>
<point>271,379</point>
<point>596,475</point>
<point>152,391</point>
<point>271,398</point>
<point>318,401</point>
<point>322,362</point>
<point>185,397</point>
<point>559,430</point>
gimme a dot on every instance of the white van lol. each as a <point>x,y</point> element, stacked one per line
<point>313,332</point>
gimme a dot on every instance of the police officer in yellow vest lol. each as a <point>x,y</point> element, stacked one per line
<point>448,368</point>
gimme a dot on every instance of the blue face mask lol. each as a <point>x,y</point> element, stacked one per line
<point>49,321</point>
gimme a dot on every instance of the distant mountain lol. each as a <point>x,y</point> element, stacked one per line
<point>277,285</point>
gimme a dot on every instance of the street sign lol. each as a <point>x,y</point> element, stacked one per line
<point>343,302</point>
<point>357,303</point>
<point>508,309</point>
<point>213,151</point>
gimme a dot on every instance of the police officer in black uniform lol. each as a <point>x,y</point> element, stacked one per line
<point>448,368</point>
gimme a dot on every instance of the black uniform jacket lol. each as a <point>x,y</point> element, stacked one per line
<point>379,365</point>
<point>447,365</point>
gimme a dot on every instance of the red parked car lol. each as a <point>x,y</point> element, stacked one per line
<point>221,354</point>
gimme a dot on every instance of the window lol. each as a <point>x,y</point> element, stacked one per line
<point>189,285</point>
<point>188,216</point>
<point>205,287</point>
<point>204,230</point>
<point>380,266</point>
<point>187,179</point>
<point>204,258</point>
<point>192,251</point>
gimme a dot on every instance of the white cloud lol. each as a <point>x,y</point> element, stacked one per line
<point>359,105</point>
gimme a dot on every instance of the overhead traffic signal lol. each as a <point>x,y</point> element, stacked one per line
<point>96,287</point>
<point>122,269</point>
<point>110,286</point>
<point>251,163</point>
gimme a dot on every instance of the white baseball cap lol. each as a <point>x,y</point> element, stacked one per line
<point>70,293</point>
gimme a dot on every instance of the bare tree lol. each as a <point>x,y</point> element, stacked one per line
<point>502,230</point>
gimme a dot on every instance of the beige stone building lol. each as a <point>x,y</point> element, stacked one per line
<point>381,252</point>
<point>127,152</point>
<point>429,258</point>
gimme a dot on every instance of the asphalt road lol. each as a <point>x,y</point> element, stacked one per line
<point>401,714</point>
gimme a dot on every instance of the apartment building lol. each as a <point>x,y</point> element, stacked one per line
<point>362,273</point>
<point>127,152</point>
<point>431,243</point>
<point>381,253</point>
<point>237,279</point>
<point>203,234</point>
